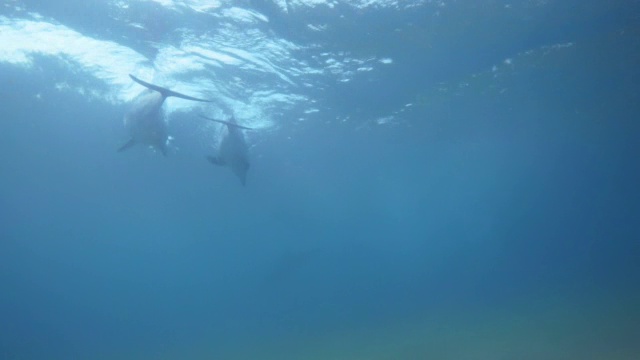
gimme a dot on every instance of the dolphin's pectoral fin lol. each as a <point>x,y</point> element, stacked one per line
<point>127,145</point>
<point>166,92</point>
<point>216,160</point>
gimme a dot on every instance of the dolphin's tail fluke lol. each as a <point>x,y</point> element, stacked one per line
<point>165,92</point>
<point>228,123</point>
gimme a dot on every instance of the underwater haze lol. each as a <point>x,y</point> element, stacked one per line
<point>427,180</point>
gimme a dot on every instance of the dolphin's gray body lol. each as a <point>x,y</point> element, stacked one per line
<point>233,151</point>
<point>145,120</point>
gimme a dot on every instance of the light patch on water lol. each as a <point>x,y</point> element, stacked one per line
<point>289,5</point>
<point>165,3</point>
<point>216,58</point>
<point>124,5</point>
<point>563,45</point>
<point>244,15</point>
<point>384,120</point>
<point>137,25</point>
<point>317,28</point>
<point>176,61</point>
<point>12,4</point>
<point>24,40</point>
<point>345,68</point>
<point>203,6</point>
<point>258,62</point>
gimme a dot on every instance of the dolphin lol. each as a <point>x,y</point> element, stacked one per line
<point>233,151</point>
<point>145,120</point>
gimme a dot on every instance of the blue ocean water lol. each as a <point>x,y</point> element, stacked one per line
<point>428,180</point>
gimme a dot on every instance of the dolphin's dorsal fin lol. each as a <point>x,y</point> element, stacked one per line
<point>127,145</point>
<point>228,123</point>
<point>164,91</point>
<point>216,160</point>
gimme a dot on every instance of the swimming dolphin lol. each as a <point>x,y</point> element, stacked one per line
<point>233,151</point>
<point>145,119</point>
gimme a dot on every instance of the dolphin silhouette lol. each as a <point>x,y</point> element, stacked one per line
<point>233,151</point>
<point>145,120</point>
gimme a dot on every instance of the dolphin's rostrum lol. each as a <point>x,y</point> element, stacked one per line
<point>233,151</point>
<point>145,120</point>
